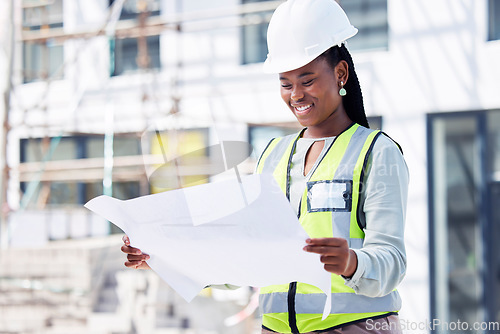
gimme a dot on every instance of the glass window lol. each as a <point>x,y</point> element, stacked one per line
<point>132,8</point>
<point>493,20</point>
<point>60,193</point>
<point>124,53</point>
<point>38,13</point>
<point>43,59</point>
<point>62,187</point>
<point>464,192</point>
<point>260,135</point>
<point>254,35</point>
<point>370,17</point>
<point>493,123</point>
<point>375,122</point>
<point>123,145</point>
<point>494,143</point>
<point>50,149</point>
<point>121,190</point>
<point>457,232</point>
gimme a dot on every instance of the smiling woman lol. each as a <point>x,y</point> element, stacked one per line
<point>307,91</point>
<point>334,173</point>
<point>330,172</point>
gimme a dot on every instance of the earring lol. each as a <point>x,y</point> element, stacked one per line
<point>342,91</point>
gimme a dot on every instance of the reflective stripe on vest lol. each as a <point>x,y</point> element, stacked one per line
<point>339,175</point>
<point>313,303</point>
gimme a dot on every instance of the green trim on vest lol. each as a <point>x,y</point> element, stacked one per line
<point>283,164</point>
<point>355,230</point>
<point>278,322</point>
<point>275,288</point>
<point>266,153</point>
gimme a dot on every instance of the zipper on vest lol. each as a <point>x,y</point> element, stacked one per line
<point>292,316</point>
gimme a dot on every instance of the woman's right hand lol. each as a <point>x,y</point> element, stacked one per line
<point>135,258</point>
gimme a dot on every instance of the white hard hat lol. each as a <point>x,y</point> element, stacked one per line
<point>301,30</point>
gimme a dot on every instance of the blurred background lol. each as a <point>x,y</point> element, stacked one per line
<point>96,94</point>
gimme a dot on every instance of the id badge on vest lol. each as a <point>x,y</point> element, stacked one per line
<point>329,195</point>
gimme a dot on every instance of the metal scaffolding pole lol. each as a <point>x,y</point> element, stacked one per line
<point>199,20</point>
<point>8,42</point>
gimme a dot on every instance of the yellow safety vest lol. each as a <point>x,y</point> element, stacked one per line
<point>297,307</point>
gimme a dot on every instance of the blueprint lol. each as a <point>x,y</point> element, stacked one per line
<point>227,232</point>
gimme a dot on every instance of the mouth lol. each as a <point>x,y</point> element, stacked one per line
<point>302,109</point>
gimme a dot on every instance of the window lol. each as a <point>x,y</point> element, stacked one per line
<point>254,35</point>
<point>375,122</point>
<point>124,52</point>
<point>132,8</point>
<point>42,60</point>
<point>493,20</point>
<point>370,17</point>
<point>71,184</point>
<point>493,216</point>
<point>464,192</point>
<point>260,135</point>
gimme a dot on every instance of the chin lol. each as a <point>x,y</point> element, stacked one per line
<point>304,121</point>
<point>304,124</point>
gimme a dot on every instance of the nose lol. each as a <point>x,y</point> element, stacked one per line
<point>297,94</point>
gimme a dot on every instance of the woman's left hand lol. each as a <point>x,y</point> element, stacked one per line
<point>335,254</point>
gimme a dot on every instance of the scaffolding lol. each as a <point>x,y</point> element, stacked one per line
<point>143,26</point>
<point>28,282</point>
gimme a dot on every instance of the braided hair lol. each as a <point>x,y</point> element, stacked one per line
<point>353,101</point>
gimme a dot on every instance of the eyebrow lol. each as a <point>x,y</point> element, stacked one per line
<point>300,75</point>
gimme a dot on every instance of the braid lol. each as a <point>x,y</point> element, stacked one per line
<point>353,101</point>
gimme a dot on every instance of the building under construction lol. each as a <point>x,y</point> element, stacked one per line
<point>100,93</point>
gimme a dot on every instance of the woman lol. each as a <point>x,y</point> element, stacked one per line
<point>348,184</point>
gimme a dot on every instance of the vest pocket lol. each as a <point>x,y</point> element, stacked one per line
<point>329,195</point>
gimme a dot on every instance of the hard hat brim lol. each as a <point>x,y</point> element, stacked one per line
<point>290,64</point>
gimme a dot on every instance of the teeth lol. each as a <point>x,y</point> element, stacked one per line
<point>303,107</point>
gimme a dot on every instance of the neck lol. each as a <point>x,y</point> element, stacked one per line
<point>334,125</point>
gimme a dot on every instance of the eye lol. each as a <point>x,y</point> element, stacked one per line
<point>308,83</point>
<point>286,86</point>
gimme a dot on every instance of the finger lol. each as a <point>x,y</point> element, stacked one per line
<point>326,241</point>
<point>142,257</point>
<point>126,240</point>
<point>144,265</point>
<point>333,268</point>
<point>137,265</point>
<point>133,264</point>
<point>324,250</point>
<point>327,259</point>
<point>131,250</point>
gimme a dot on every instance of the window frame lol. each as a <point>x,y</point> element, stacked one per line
<point>154,61</point>
<point>361,29</point>
<point>493,29</point>
<point>260,32</point>
<point>38,67</point>
<point>489,267</point>
<point>81,143</point>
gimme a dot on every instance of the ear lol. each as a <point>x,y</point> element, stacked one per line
<point>342,71</point>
